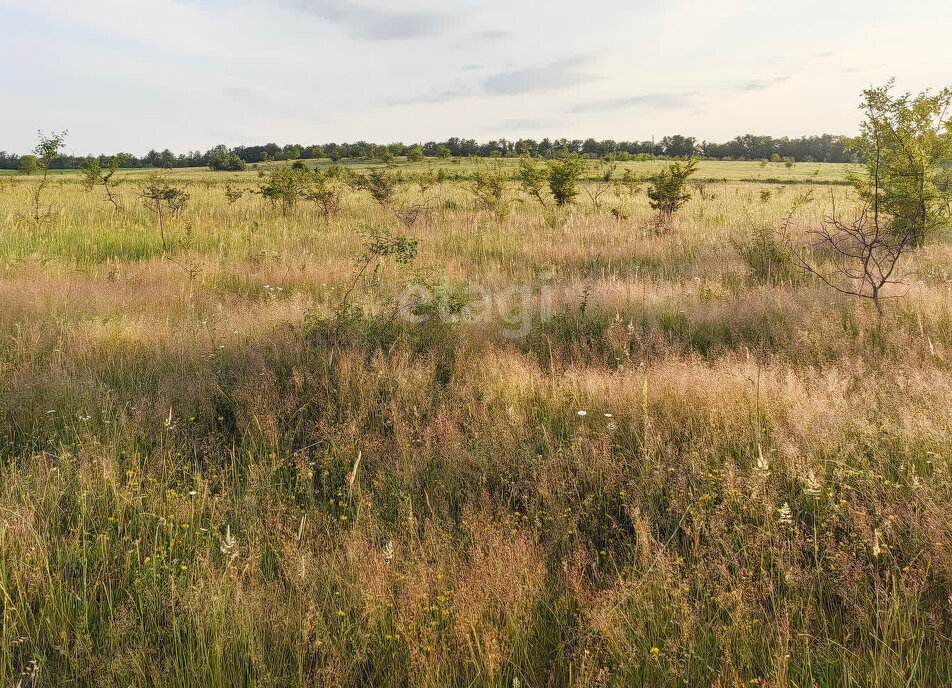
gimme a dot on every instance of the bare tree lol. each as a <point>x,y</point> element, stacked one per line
<point>863,255</point>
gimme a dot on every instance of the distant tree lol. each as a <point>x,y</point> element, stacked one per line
<point>166,160</point>
<point>564,174</point>
<point>533,178</point>
<point>285,185</point>
<point>323,190</point>
<point>667,190</point>
<point>47,149</point>
<point>415,154</point>
<point>490,188</point>
<point>222,160</point>
<point>443,152</point>
<point>162,197</point>
<point>94,175</point>
<point>28,165</point>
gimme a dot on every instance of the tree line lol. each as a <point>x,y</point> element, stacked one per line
<point>821,148</point>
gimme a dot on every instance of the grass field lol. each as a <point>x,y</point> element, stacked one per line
<point>683,469</point>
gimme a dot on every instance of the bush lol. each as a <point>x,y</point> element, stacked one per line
<point>564,174</point>
<point>29,164</point>
<point>666,189</point>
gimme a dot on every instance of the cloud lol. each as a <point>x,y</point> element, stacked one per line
<point>445,96</point>
<point>657,101</point>
<point>371,23</point>
<point>522,125</point>
<point>554,76</point>
<point>762,84</point>
<point>865,68</point>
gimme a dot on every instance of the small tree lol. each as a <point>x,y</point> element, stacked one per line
<point>323,190</point>
<point>667,190</point>
<point>285,185</point>
<point>46,151</point>
<point>94,175</point>
<point>603,184</point>
<point>28,165</point>
<point>490,188</point>
<point>163,198</point>
<point>906,142</point>
<point>564,174</point>
<point>533,178</point>
<point>443,152</point>
<point>415,154</point>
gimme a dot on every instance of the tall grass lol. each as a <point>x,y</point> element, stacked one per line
<point>687,476</point>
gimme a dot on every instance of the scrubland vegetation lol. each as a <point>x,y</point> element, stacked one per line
<point>229,459</point>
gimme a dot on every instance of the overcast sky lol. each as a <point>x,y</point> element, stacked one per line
<point>188,74</point>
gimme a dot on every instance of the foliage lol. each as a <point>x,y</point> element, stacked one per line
<point>222,160</point>
<point>564,175</point>
<point>533,178</point>
<point>667,190</point>
<point>94,175</point>
<point>906,142</point>
<point>47,149</point>
<point>163,198</point>
<point>489,187</point>
<point>285,186</point>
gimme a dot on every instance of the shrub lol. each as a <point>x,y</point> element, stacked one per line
<point>667,189</point>
<point>564,175</point>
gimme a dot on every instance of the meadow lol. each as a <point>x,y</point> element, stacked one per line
<point>694,466</point>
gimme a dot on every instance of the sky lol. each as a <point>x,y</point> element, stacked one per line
<point>132,75</point>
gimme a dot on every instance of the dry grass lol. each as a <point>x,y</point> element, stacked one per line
<point>490,534</point>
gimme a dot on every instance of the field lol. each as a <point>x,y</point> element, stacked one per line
<point>655,459</point>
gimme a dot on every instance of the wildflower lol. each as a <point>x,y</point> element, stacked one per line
<point>813,487</point>
<point>229,546</point>
<point>763,467</point>
<point>193,492</point>
<point>184,567</point>
<point>655,650</point>
<point>877,550</point>
<point>785,514</point>
<point>388,551</point>
<point>608,415</point>
<point>582,413</point>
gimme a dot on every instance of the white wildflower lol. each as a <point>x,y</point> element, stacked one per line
<point>229,545</point>
<point>813,486</point>
<point>785,514</point>
<point>763,467</point>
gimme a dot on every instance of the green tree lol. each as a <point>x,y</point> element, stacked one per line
<point>533,178</point>
<point>162,197</point>
<point>667,190</point>
<point>906,143</point>
<point>564,174</point>
<point>28,165</point>
<point>285,185</point>
<point>47,149</point>
<point>415,154</point>
<point>443,152</point>
<point>94,175</point>
<point>490,188</point>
